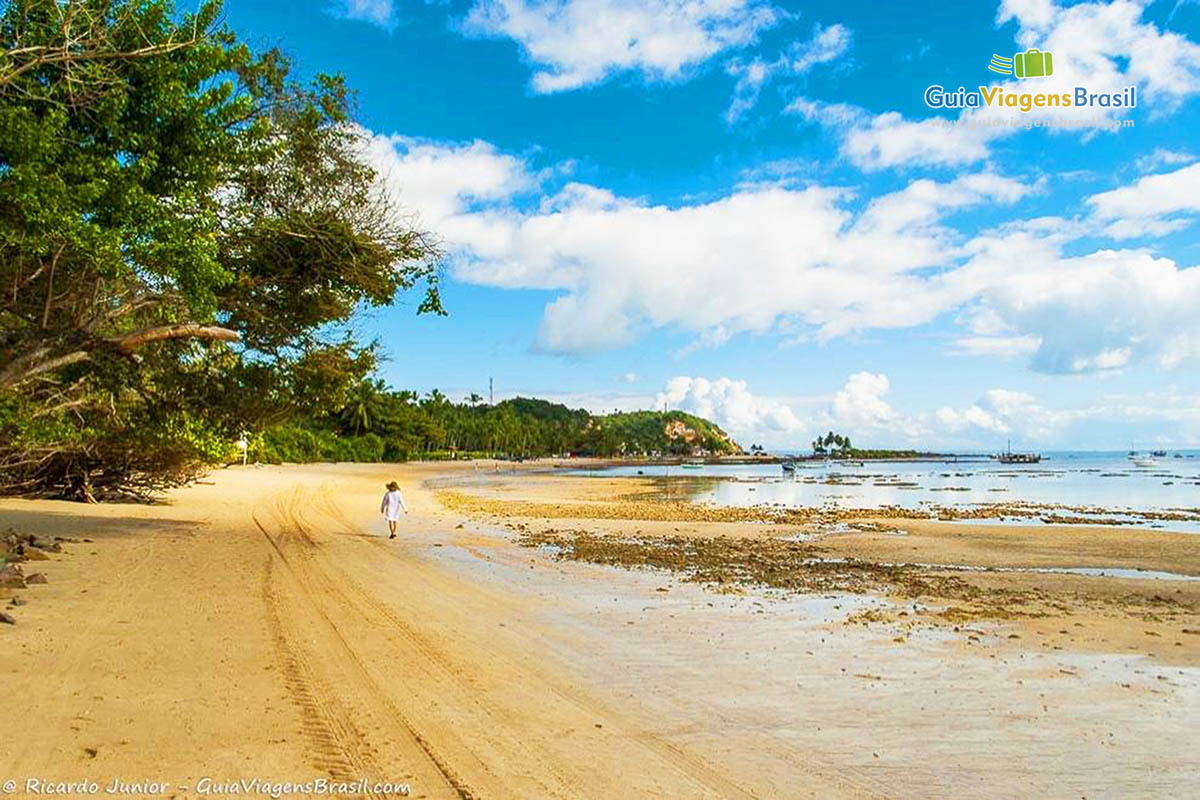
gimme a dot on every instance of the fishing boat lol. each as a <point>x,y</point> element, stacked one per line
<point>1009,457</point>
<point>1140,459</point>
<point>1019,458</point>
<point>788,467</point>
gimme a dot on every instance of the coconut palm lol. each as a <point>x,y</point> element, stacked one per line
<point>362,410</point>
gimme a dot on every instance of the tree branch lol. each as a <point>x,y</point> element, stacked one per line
<point>132,341</point>
<point>27,367</point>
<point>14,375</point>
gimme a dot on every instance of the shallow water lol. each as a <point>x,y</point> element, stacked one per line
<point>1090,572</point>
<point>1100,480</point>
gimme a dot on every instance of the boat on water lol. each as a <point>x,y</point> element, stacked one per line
<point>690,465</point>
<point>851,463</point>
<point>1158,453</point>
<point>788,467</point>
<point>1019,458</point>
<point>1009,457</point>
<point>1143,461</point>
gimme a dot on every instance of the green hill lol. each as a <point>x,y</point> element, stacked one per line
<point>378,424</point>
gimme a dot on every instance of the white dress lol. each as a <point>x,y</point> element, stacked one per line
<point>392,505</point>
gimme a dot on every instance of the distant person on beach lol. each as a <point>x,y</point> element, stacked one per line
<point>392,505</point>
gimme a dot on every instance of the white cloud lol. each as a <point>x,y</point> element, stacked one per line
<point>1162,157</point>
<point>378,12</point>
<point>1151,205</point>
<point>1001,411</point>
<point>751,78</point>
<point>1106,421</point>
<point>1103,361</point>
<point>575,43</point>
<point>731,405</point>
<point>862,410</point>
<point>776,259</point>
<point>997,346</point>
<point>826,44</point>
<point>1095,312</point>
<point>444,180</point>
<point>629,265</point>
<point>887,140</point>
<point>1104,47</point>
<point>956,420</point>
<point>860,403</point>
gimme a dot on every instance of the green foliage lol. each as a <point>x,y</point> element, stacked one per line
<point>832,442</point>
<point>671,432</point>
<point>889,454</point>
<point>400,426</point>
<point>186,233</point>
<point>296,444</point>
<point>840,446</point>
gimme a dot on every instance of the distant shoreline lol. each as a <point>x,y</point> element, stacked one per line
<point>768,459</point>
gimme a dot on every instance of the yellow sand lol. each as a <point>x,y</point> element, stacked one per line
<point>260,624</point>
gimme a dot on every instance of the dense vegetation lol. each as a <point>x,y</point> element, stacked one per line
<point>382,425</point>
<point>185,233</point>
<point>186,236</point>
<point>832,443</point>
<point>838,446</point>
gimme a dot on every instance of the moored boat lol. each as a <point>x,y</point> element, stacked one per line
<point>1019,458</point>
<point>1009,457</point>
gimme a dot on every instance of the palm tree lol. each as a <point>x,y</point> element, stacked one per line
<point>363,407</point>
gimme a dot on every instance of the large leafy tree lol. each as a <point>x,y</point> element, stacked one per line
<point>186,233</point>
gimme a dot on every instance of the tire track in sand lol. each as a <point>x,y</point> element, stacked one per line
<point>387,620</point>
<point>338,744</point>
<point>386,625</point>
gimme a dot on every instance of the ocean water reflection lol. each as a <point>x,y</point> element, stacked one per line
<point>1096,481</point>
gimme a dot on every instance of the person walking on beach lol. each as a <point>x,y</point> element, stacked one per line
<point>392,505</point>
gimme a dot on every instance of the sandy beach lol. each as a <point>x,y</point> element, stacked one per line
<point>260,625</point>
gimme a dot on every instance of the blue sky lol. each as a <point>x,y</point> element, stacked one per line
<point>747,209</point>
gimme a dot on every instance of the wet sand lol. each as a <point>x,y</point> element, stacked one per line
<point>261,624</point>
<point>989,573</point>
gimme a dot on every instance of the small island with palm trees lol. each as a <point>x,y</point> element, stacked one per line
<point>835,445</point>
